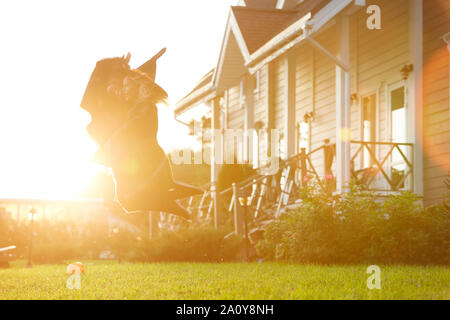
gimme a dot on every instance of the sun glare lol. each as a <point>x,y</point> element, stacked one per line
<point>45,148</point>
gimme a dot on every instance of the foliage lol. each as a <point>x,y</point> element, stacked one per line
<point>194,174</point>
<point>56,241</point>
<point>202,244</point>
<point>359,228</point>
<point>233,173</point>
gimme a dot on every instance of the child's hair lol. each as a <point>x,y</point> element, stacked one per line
<point>148,89</point>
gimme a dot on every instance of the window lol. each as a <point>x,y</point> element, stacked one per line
<point>303,136</point>
<point>369,127</point>
<point>398,133</point>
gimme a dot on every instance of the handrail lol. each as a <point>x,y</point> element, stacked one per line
<point>384,143</point>
<point>285,163</point>
<point>379,164</point>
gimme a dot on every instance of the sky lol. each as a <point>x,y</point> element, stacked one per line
<point>48,51</point>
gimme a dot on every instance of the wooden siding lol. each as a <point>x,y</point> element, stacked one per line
<point>235,118</point>
<point>261,112</point>
<point>280,81</point>
<point>436,100</point>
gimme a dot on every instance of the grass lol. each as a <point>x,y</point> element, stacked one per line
<point>109,280</point>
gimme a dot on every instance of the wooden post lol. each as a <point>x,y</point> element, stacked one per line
<point>343,107</point>
<point>153,228</point>
<point>216,150</point>
<point>249,119</point>
<point>270,98</point>
<point>238,212</point>
<point>303,166</point>
<point>415,94</point>
<point>289,104</point>
<point>218,207</point>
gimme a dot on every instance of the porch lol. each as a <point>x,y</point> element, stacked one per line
<point>381,168</point>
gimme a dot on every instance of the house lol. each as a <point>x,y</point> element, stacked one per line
<point>370,78</point>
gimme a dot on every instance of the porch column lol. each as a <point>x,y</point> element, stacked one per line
<point>249,118</point>
<point>153,228</point>
<point>289,104</point>
<point>415,91</point>
<point>216,160</point>
<point>270,105</point>
<point>216,157</point>
<point>343,106</point>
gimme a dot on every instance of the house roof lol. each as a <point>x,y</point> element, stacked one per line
<point>267,4</point>
<point>258,26</point>
<point>248,29</point>
<point>202,88</point>
<point>205,80</point>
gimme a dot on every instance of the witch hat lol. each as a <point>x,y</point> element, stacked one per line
<point>150,66</point>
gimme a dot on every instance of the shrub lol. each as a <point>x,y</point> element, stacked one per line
<point>358,228</point>
<point>202,244</point>
<point>233,173</point>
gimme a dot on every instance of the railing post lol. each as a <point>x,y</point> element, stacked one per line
<point>238,212</point>
<point>153,228</point>
<point>217,204</point>
<point>303,166</point>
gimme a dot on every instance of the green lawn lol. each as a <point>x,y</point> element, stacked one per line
<point>109,280</point>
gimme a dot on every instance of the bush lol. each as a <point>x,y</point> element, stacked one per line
<point>124,238</point>
<point>233,173</point>
<point>202,244</point>
<point>358,228</point>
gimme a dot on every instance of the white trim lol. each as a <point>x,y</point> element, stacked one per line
<point>232,27</point>
<point>249,117</point>
<point>377,119</point>
<point>287,33</point>
<point>289,104</point>
<point>336,60</point>
<point>215,140</point>
<point>239,37</point>
<point>343,117</point>
<point>184,103</point>
<point>280,4</point>
<point>389,88</point>
<point>415,90</point>
<point>223,48</point>
<point>324,16</point>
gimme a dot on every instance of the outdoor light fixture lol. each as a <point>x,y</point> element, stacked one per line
<point>309,116</point>
<point>446,39</point>
<point>406,70</point>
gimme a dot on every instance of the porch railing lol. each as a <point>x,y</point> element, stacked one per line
<point>372,166</point>
<point>391,167</point>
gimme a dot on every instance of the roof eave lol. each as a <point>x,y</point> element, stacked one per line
<point>293,34</point>
<point>195,98</point>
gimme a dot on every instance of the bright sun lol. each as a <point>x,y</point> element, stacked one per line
<point>45,150</point>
